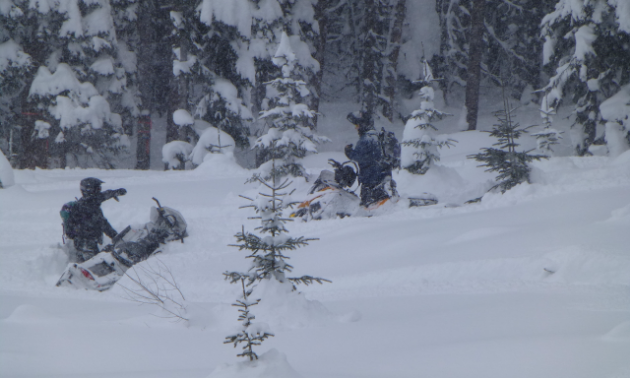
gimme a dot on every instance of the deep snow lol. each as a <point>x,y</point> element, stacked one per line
<point>532,283</point>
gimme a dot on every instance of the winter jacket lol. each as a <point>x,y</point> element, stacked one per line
<point>91,223</point>
<point>369,156</point>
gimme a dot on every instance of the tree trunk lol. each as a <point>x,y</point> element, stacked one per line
<point>143,134</point>
<point>371,60</point>
<point>475,54</point>
<point>321,16</point>
<point>392,71</point>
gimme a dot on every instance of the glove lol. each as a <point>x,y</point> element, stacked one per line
<point>121,192</point>
<point>348,150</point>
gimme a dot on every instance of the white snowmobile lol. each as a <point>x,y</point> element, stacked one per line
<point>129,247</point>
<point>332,195</point>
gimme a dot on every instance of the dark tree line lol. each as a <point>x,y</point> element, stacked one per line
<point>124,63</point>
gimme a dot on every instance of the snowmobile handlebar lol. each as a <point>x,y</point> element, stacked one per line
<point>116,239</point>
<point>168,218</point>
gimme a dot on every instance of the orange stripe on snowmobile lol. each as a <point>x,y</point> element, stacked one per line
<point>308,203</point>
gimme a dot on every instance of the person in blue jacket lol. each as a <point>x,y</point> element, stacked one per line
<point>374,171</point>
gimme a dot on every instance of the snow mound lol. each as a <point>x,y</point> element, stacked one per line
<point>619,333</point>
<point>622,160</point>
<point>480,233</point>
<point>181,117</point>
<point>582,266</point>
<point>27,314</point>
<point>284,309</point>
<point>271,364</point>
<point>6,172</point>
<point>219,165</point>
<point>445,182</point>
<point>621,214</point>
<point>173,153</point>
<point>212,140</point>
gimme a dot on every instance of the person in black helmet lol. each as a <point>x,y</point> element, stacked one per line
<point>373,170</point>
<point>87,223</point>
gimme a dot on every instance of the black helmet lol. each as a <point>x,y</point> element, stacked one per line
<point>361,119</point>
<point>90,186</point>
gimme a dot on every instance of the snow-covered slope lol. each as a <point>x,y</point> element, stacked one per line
<point>532,283</point>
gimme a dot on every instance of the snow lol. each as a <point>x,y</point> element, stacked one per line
<point>271,364</point>
<point>584,38</point>
<point>11,55</point>
<point>47,83</point>
<point>103,66</point>
<point>181,117</point>
<point>72,24</point>
<point>70,113</point>
<point>236,13</point>
<point>184,66</point>
<point>532,283</point>
<point>622,14</point>
<point>617,107</point>
<point>42,129</point>
<point>172,150</point>
<point>212,140</point>
<point>616,110</point>
<point>451,290</point>
<point>99,21</point>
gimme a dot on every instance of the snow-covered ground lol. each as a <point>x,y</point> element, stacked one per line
<point>532,283</point>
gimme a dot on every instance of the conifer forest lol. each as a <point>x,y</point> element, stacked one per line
<point>82,83</point>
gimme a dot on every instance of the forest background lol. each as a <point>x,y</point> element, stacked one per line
<point>82,82</point>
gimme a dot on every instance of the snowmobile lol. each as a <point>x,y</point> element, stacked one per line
<point>332,195</point>
<point>128,248</point>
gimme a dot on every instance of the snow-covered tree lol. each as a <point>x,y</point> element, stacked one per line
<point>15,64</point>
<point>420,142</point>
<point>616,111</point>
<point>23,44</point>
<point>586,50</point>
<point>268,249</point>
<point>290,136</point>
<point>80,88</point>
<point>510,164</point>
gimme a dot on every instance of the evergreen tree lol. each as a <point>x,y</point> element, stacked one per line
<point>510,164</point>
<point>586,50</point>
<point>290,136</point>
<point>420,143</point>
<point>251,334</point>
<point>510,36</point>
<point>267,250</point>
<point>83,83</point>
<point>15,65</point>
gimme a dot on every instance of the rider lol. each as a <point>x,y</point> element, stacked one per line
<point>88,223</point>
<point>374,171</point>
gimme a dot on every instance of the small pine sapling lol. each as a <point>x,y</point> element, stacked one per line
<point>251,334</point>
<point>510,164</point>
<point>269,260</point>
<point>548,136</point>
<point>268,251</point>
<point>420,143</point>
